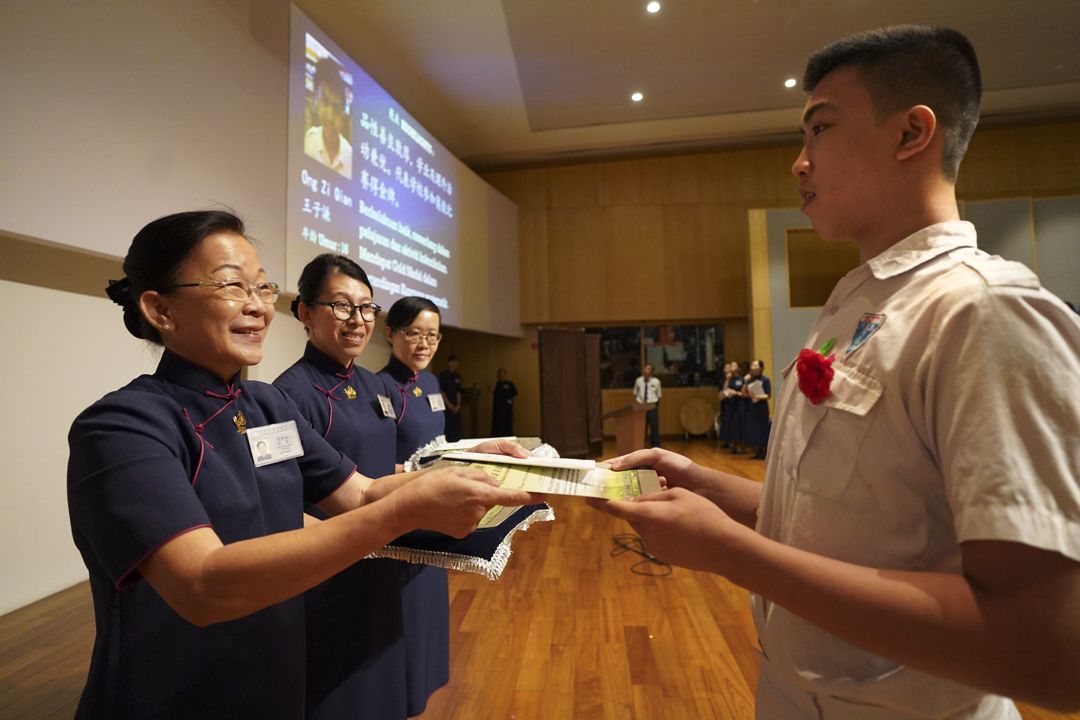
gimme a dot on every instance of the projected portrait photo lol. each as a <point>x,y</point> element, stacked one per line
<point>327,123</point>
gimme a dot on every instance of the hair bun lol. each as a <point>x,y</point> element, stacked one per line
<point>119,291</point>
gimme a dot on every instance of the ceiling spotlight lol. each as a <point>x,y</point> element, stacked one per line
<point>790,83</point>
<point>637,97</point>
<point>653,7</point>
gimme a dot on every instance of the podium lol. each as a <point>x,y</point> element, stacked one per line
<point>629,426</point>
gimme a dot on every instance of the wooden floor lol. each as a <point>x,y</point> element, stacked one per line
<point>567,632</point>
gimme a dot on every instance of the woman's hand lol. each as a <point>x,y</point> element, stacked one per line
<point>451,500</point>
<point>501,447</point>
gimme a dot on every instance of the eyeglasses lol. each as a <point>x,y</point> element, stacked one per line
<point>238,290</point>
<point>413,337</point>
<point>344,309</point>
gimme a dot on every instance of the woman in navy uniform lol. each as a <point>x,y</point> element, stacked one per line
<point>503,393</point>
<point>738,407</point>
<point>413,331</point>
<point>164,487</point>
<point>756,426</point>
<point>355,648</point>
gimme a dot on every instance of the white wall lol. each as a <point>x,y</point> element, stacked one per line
<point>114,113</point>
<point>119,112</point>
<point>62,351</point>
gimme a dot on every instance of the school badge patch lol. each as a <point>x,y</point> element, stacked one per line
<point>867,326</point>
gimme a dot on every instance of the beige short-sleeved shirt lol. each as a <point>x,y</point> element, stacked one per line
<point>954,415</point>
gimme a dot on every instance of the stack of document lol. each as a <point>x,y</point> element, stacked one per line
<point>559,476</point>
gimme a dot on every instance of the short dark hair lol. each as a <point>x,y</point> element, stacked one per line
<point>315,274</point>
<point>328,72</point>
<point>405,310</point>
<point>156,255</point>
<point>907,65</point>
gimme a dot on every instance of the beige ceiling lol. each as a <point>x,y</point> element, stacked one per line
<point>530,81</point>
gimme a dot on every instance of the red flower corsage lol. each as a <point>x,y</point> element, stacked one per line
<point>815,372</point>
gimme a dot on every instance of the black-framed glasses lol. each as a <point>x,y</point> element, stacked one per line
<point>344,309</point>
<point>238,290</point>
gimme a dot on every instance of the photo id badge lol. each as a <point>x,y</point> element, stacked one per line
<point>436,402</point>
<point>387,407</point>
<point>271,444</point>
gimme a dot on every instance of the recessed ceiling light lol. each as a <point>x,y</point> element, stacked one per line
<point>637,96</point>
<point>653,7</point>
<point>790,83</point>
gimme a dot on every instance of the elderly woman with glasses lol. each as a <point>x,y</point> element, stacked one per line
<point>195,541</point>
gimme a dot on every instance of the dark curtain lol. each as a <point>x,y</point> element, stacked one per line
<point>592,394</point>
<point>570,391</point>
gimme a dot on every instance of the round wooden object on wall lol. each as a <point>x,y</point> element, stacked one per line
<point>696,416</point>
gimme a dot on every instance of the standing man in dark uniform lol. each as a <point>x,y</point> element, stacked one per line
<point>450,384</point>
<point>502,405</point>
<point>647,390</point>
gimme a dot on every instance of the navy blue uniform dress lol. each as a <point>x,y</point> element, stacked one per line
<point>756,427</point>
<point>160,457</point>
<point>736,417</point>
<point>425,594</point>
<point>355,636</point>
<point>502,409</point>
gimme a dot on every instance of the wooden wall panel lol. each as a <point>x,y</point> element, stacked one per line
<point>527,188</point>
<point>633,264</point>
<point>574,186</point>
<point>682,178</point>
<point>1035,161</point>
<point>726,234</point>
<point>629,182</point>
<point>535,264</point>
<point>576,250</point>
<point>760,177</point>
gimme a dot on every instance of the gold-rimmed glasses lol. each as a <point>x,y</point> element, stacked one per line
<point>238,290</point>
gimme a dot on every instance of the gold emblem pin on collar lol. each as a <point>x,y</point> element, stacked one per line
<point>240,422</point>
<point>349,392</point>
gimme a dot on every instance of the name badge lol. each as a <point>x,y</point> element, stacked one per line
<point>387,407</point>
<point>271,444</point>
<point>436,402</point>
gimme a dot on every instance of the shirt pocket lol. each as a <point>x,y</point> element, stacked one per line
<point>830,435</point>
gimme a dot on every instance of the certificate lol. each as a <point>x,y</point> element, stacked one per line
<point>559,476</point>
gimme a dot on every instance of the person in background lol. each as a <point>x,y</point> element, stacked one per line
<point>325,142</point>
<point>737,432</point>
<point>196,545</point>
<point>757,391</point>
<point>647,389</point>
<point>450,385</point>
<point>727,404</point>
<point>503,393</point>
<point>914,551</point>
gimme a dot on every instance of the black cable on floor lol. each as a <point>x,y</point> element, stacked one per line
<point>650,565</point>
